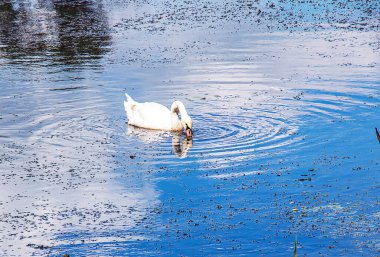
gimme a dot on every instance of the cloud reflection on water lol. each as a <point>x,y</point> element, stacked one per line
<point>66,190</point>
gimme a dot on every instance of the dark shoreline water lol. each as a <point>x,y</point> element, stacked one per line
<point>284,96</point>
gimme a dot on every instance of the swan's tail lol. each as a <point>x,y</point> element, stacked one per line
<point>129,98</point>
<point>129,105</point>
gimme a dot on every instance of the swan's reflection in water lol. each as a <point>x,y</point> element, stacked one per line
<point>180,143</point>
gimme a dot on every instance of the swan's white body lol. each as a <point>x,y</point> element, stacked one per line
<point>156,116</point>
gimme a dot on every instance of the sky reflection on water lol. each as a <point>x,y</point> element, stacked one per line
<point>284,102</point>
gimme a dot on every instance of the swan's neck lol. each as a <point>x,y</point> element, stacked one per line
<point>178,109</point>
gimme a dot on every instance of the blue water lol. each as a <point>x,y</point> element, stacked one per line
<point>284,98</point>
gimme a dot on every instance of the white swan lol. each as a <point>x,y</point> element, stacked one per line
<point>156,116</point>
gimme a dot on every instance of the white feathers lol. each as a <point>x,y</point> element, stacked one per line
<point>156,116</point>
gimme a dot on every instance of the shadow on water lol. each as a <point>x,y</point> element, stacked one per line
<point>60,32</point>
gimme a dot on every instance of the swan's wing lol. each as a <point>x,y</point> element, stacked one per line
<point>151,115</point>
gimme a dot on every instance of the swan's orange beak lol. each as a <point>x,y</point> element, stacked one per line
<point>189,133</point>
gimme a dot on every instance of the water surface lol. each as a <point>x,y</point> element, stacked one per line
<point>284,98</point>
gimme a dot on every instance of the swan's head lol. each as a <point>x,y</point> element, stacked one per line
<point>187,123</point>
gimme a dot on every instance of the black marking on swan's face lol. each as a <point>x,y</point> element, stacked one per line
<point>189,132</point>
